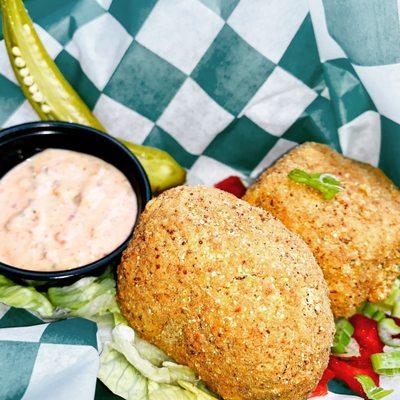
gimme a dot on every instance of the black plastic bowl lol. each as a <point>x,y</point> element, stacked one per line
<point>20,142</point>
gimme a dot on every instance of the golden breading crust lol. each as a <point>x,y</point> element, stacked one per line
<point>225,288</point>
<point>355,237</point>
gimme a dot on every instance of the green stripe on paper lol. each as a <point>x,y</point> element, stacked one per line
<point>390,140</point>
<point>73,73</point>
<point>349,98</point>
<point>10,99</point>
<point>242,145</point>
<point>104,393</point>
<point>316,124</point>
<point>231,71</point>
<point>62,18</point>
<point>17,360</point>
<point>18,317</point>
<point>77,331</point>
<point>223,8</point>
<point>307,69</point>
<point>367,30</point>
<point>131,14</point>
<point>163,140</point>
<point>144,82</point>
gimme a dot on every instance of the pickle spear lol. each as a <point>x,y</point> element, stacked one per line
<point>163,171</point>
<point>53,98</point>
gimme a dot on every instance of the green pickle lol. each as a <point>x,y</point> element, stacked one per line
<point>53,98</point>
<point>163,171</point>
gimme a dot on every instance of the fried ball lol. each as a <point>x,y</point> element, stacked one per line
<point>226,289</point>
<point>355,237</point>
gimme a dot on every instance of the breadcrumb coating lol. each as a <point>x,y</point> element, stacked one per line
<point>226,289</point>
<point>355,237</point>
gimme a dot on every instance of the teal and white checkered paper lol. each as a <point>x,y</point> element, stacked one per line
<point>227,86</point>
<point>46,361</point>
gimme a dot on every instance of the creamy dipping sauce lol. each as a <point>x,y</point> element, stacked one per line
<point>62,209</point>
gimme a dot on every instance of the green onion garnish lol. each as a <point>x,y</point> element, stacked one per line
<point>387,328</point>
<point>327,184</point>
<point>394,293</point>
<point>344,331</point>
<point>389,306</point>
<point>396,310</point>
<point>376,312</point>
<point>386,363</point>
<point>392,300</point>
<point>372,391</point>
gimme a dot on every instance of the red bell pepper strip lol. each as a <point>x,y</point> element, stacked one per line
<point>366,335</point>
<point>346,372</point>
<point>232,184</point>
<point>322,387</point>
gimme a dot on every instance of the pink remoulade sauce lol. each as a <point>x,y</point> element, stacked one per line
<point>62,209</point>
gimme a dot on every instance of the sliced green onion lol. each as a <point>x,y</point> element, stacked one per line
<point>394,295</point>
<point>376,312</point>
<point>386,363</point>
<point>327,178</point>
<point>387,328</point>
<point>396,310</point>
<point>379,315</point>
<point>327,184</point>
<point>372,391</point>
<point>344,331</point>
<point>389,306</point>
<point>352,350</point>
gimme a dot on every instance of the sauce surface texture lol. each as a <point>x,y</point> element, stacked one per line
<point>62,209</point>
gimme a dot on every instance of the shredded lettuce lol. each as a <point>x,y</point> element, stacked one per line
<point>150,352</point>
<point>24,297</point>
<point>201,392</point>
<point>119,319</point>
<point>105,325</point>
<point>145,349</point>
<point>120,376</point>
<point>124,342</point>
<point>163,391</point>
<point>88,297</point>
<point>165,379</point>
<point>179,372</point>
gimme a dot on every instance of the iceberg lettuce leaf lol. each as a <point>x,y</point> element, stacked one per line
<point>88,297</point>
<point>120,376</point>
<point>124,342</point>
<point>163,391</point>
<point>24,297</point>
<point>201,394</point>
